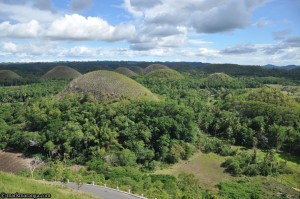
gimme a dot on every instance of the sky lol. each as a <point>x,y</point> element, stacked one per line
<point>248,32</point>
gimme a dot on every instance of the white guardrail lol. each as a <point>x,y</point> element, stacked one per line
<point>109,188</point>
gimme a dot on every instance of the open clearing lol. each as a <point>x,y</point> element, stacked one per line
<point>206,167</point>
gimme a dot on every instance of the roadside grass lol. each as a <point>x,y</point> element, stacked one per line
<point>293,163</point>
<point>256,187</point>
<point>10,183</point>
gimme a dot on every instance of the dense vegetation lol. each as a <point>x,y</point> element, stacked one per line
<point>121,141</point>
<point>32,91</point>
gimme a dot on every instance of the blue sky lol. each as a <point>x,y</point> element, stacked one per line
<point>251,32</point>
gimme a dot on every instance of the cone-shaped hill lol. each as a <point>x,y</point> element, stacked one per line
<point>219,77</point>
<point>154,67</point>
<point>61,72</point>
<point>165,74</point>
<point>125,71</point>
<point>137,69</point>
<point>107,86</point>
<point>8,74</point>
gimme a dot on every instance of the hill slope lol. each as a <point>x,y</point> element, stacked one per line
<point>125,71</point>
<point>165,74</point>
<point>61,72</point>
<point>10,183</point>
<point>8,74</point>
<point>107,85</point>
<point>219,77</point>
<point>137,69</point>
<point>154,67</point>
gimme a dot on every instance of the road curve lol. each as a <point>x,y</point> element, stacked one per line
<point>105,193</point>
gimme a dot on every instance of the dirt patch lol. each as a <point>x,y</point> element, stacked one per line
<point>13,162</point>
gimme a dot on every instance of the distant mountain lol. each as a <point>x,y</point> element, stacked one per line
<point>288,67</point>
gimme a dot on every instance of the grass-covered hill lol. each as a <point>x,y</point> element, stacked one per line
<point>125,71</point>
<point>10,183</point>
<point>137,69</point>
<point>108,85</point>
<point>219,77</point>
<point>154,67</point>
<point>8,74</point>
<point>164,74</point>
<point>218,80</point>
<point>61,72</point>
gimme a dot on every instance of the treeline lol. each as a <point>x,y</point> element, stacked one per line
<point>240,70</point>
<point>129,133</point>
<point>40,68</point>
<point>232,113</point>
<point>20,81</point>
<point>153,132</point>
<point>32,91</point>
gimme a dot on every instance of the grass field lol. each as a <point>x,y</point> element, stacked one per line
<point>206,167</point>
<point>10,183</point>
<point>291,180</point>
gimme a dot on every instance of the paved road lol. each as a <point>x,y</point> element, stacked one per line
<point>101,191</point>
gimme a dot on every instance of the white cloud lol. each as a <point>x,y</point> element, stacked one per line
<point>205,16</point>
<point>198,42</point>
<point>69,27</point>
<point>26,12</point>
<point>9,47</point>
<point>161,30</point>
<point>77,27</point>
<point>281,53</point>
<point>166,23</point>
<point>20,30</point>
<point>57,51</point>
<point>150,37</point>
<point>262,23</point>
<point>137,7</point>
<point>240,49</point>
